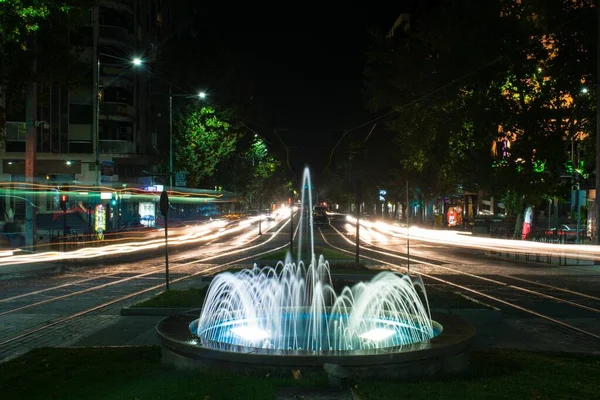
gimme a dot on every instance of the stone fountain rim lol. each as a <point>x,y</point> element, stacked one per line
<point>455,338</point>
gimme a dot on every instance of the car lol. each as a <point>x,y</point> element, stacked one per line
<point>568,232</point>
<point>320,219</point>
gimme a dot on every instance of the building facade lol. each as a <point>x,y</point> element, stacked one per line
<point>104,130</point>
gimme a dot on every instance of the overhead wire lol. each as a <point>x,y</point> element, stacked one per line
<point>437,90</point>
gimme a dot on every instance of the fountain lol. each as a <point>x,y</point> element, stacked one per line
<point>293,316</point>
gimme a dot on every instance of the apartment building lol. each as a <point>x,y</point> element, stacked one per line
<point>104,131</point>
<point>121,133</point>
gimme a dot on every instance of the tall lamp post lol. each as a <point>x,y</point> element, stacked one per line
<point>200,95</point>
<point>135,62</point>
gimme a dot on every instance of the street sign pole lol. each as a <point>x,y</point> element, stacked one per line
<point>164,210</point>
<point>259,215</point>
<point>407,230</point>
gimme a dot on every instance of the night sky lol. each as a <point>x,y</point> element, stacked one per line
<point>305,66</point>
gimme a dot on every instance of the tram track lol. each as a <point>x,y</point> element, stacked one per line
<point>436,263</point>
<point>44,325</point>
<point>155,270</point>
<point>81,313</point>
<point>456,272</point>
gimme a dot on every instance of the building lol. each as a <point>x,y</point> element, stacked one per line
<point>80,141</point>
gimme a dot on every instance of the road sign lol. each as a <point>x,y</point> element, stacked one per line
<point>164,203</point>
<point>180,179</point>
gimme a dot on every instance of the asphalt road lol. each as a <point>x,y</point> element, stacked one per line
<point>543,306</point>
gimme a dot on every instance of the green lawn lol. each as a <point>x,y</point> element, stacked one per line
<point>502,374</point>
<point>123,373</point>
<point>328,253</point>
<point>136,373</point>
<point>176,298</point>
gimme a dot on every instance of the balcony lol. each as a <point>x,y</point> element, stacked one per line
<point>116,147</point>
<point>127,5</point>
<point>117,111</point>
<point>116,35</point>
<point>115,75</point>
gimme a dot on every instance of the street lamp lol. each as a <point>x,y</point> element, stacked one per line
<point>136,62</point>
<point>200,95</point>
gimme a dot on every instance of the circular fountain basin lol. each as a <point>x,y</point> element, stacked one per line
<point>447,352</point>
<point>384,332</point>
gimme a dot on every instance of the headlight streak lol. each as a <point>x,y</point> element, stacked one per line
<point>467,240</point>
<point>177,237</point>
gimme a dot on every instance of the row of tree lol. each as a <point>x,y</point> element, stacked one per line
<point>491,95</point>
<point>216,150</point>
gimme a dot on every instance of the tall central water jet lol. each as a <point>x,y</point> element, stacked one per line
<point>293,307</point>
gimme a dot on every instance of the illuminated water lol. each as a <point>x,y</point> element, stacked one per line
<point>294,307</point>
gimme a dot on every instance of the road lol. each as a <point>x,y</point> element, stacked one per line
<point>543,306</point>
<point>58,309</point>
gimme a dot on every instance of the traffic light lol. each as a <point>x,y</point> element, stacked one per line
<point>113,200</point>
<point>63,201</point>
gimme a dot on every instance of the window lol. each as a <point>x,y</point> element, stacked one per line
<point>115,130</point>
<point>81,114</point>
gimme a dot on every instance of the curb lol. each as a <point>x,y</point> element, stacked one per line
<point>157,311</point>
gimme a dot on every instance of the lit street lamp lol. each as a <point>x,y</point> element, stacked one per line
<point>200,95</point>
<point>136,62</point>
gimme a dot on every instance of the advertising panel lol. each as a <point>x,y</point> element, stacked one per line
<point>147,211</point>
<point>100,221</point>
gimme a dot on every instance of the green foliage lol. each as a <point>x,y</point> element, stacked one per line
<point>20,18</point>
<point>137,373</point>
<point>467,68</point>
<point>129,372</point>
<point>255,173</point>
<point>58,63</point>
<point>202,140</point>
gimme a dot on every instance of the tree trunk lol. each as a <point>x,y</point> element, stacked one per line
<point>519,221</point>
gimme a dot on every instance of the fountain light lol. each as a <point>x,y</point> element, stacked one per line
<point>250,333</point>
<point>377,334</point>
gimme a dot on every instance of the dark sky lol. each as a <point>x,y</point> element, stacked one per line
<point>306,66</point>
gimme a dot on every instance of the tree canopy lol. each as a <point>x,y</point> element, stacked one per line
<point>487,95</point>
<point>202,140</point>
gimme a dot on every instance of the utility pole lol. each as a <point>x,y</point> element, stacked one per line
<point>597,124</point>
<point>170,137</point>
<point>259,214</point>
<point>407,230</point>
<point>164,210</point>
<point>357,205</point>
<point>96,99</point>
<point>292,224</point>
<point>30,147</point>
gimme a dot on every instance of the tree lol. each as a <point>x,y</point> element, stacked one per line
<point>202,140</point>
<point>487,94</point>
<point>59,62</point>
<point>254,171</point>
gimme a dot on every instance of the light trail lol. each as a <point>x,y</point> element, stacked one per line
<point>466,288</point>
<point>372,230</point>
<point>138,276</point>
<point>154,240</point>
<point>490,280</point>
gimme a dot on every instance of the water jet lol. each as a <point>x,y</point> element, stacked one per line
<point>290,316</point>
